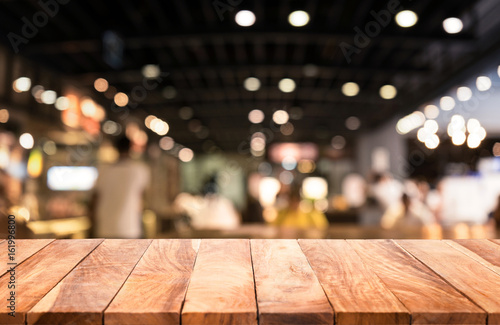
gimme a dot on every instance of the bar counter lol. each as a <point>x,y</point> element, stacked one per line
<point>258,281</point>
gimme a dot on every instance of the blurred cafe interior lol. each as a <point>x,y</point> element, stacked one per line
<point>250,118</point>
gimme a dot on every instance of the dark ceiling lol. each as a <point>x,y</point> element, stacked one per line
<point>206,58</point>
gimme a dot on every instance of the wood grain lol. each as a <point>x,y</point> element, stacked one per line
<point>471,278</point>
<point>41,272</point>
<point>82,295</point>
<point>155,291</point>
<point>356,293</point>
<point>288,292</point>
<point>429,298</point>
<point>481,250</point>
<point>221,290</point>
<point>24,249</point>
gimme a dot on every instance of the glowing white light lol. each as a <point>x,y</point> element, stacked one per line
<point>464,94</point>
<point>473,141</point>
<point>186,154</point>
<point>62,103</point>
<point>269,187</point>
<point>289,163</point>
<point>48,97</point>
<point>432,142</point>
<point>315,188</point>
<point>447,103</point>
<point>481,132</point>
<point>286,85</point>
<point>473,125</point>
<point>350,89</point>
<point>431,111</point>
<point>280,117</point>
<point>453,25</point>
<point>298,18</point>
<point>352,123</point>
<point>256,116</point>
<point>406,18</point>
<point>26,141</point>
<point>151,71</point>
<point>245,18</point>
<point>483,83</point>
<point>431,126</point>
<point>410,122</point>
<point>388,92</point>
<point>458,138</point>
<point>88,107</point>
<point>251,84</point>
<point>21,84</point>
<point>338,142</point>
<point>423,134</point>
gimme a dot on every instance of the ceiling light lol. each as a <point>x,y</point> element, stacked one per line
<point>151,71</point>
<point>298,18</point>
<point>388,92</point>
<point>245,18</point>
<point>101,85</point>
<point>406,18</point>
<point>251,84</point>
<point>280,117</point>
<point>447,103</point>
<point>121,99</point>
<point>286,85</point>
<point>431,111</point>
<point>352,123</point>
<point>48,97</point>
<point>453,25</point>
<point>464,94</point>
<point>350,89</point>
<point>21,84</point>
<point>483,83</point>
<point>26,141</point>
<point>256,116</point>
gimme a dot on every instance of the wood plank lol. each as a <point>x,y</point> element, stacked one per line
<point>24,249</point>
<point>221,290</point>
<point>83,294</point>
<point>496,241</point>
<point>481,250</point>
<point>429,298</point>
<point>287,290</point>
<point>41,272</point>
<point>155,291</point>
<point>356,293</point>
<point>471,278</point>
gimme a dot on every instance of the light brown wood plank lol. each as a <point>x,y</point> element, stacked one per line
<point>481,250</point>
<point>429,298</point>
<point>82,296</point>
<point>221,290</point>
<point>356,293</point>
<point>288,292</point>
<point>496,241</point>
<point>471,278</point>
<point>155,291</point>
<point>24,248</point>
<point>40,273</point>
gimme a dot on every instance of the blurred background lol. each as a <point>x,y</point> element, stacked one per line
<point>250,118</point>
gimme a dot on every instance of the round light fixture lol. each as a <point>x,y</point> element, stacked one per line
<point>350,89</point>
<point>298,18</point>
<point>245,18</point>
<point>406,18</point>
<point>453,25</point>
<point>388,92</point>
<point>251,84</point>
<point>286,85</point>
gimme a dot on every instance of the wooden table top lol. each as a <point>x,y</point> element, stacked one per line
<point>258,281</point>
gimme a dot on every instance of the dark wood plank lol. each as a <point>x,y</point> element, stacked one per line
<point>221,290</point>
<point>356,293</point>
<point>41,272</point>
<point>471,278</point>
<point>82,296</point>
<point>429,298</point>
<point>24,248</point>
<point>155,291</point>
<point>482,250</point>
<point>287,290</point>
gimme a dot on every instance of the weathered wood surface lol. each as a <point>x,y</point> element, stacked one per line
<point>241,281</point>
<point>83,295</point>
<point>356,293</point>
<point>24,248</point>
<point>155,291</point>
<point>288,292</point>
<point>221,290</point>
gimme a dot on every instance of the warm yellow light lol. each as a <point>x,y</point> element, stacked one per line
<point>35,163</point>
<point>101,85</point>
<point>121,99</point>
<point>298,18</point>
<point>431,111</point>
<point>21,84</point>
<point>268,189</point>
<point>315,188</point>
<point>186,155</point>
<point>286,85</point>
<point>4,115</point>
<point>406,18</point>
<point>350,89</point>
<point>388,92</point>
<point>280,117</point>
<point>251,84</point>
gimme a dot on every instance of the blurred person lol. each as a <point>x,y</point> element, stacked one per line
<point>408,212</point>
<point>118,196</point>
<point>296,216</point>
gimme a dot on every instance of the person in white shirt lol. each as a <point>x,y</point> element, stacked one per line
<point>118,196</point>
